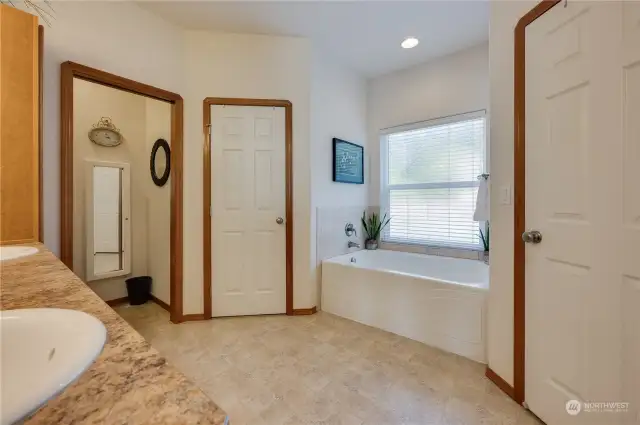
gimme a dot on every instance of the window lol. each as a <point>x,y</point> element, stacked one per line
<point>430,181</point>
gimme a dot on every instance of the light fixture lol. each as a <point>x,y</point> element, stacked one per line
<point>409,43</point>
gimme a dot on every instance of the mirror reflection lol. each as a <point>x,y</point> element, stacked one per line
<point>107,219</point>
<point>160,164</point>
<point>121,218</point>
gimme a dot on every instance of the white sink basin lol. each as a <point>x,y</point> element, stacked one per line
<point>42,351</point>
<point>11,252</point>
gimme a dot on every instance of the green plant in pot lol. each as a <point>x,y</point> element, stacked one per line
<point>373,227</point>
<point>485,242</point>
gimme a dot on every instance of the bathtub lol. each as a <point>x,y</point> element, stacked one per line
<point>439,301</point>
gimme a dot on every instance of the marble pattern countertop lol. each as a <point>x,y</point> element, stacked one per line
<point>129,383</point>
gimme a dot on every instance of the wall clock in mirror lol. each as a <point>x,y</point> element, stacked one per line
<point>104,133</point>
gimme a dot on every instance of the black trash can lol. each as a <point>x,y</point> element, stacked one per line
<point>139,289</point>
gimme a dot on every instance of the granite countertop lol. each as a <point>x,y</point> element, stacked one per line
<point>129,383</point>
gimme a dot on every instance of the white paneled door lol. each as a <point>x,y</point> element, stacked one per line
<point>248,233</point>
<point>583,196</point>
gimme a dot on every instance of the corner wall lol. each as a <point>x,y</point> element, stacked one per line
<point>338,109</point>
<point>246,66</point>
<point>158,202</point>
<point>504,17</point>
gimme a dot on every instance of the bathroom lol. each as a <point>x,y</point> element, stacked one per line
<point>250,145</point>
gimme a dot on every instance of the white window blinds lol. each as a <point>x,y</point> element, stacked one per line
<point>429,181</point>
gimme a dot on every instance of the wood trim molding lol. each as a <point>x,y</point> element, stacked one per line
<point>304,311</point>
<point>71,70</point>
<point>192,317</point>
<point>117,301</point>
<point>500,383</point>
<point>206,112</point>
<point>40,130</point>
<point>176,227</point>
<point>519,164</point>
<point>206,209</point>
<point>124,300</point>
<point>160,303</point>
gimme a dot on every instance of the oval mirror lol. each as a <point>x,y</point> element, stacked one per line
<point>160,162</point>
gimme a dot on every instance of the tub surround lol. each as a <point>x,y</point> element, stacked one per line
<point>439,301</point>
<point>467,254</point>
<point>332,240</point>
<point>129,382</point>
<point>447,270</point>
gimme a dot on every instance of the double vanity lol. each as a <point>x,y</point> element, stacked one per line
<point>65,356</point>
<point>128,382</point>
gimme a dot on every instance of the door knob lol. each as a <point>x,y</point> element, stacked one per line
<point>279,220</point>
<point>532,236</point>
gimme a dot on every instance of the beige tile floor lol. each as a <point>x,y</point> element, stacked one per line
<point>322,369</point>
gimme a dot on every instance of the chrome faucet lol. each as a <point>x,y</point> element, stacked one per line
<point>350,230</point>
<point>352,244</point>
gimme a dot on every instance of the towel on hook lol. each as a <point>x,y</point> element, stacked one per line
<point>482,201</point>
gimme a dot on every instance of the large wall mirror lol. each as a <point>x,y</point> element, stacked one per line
<point>116,222</point>
<point>121,217</point>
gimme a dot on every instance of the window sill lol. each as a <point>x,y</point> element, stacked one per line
<point>469,254</point>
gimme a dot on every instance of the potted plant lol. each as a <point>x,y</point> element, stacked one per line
<point>485,243</point>
<point>373,226</point>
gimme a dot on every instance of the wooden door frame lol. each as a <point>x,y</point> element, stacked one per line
<point>517,391</point>
<point>40,132</point>
<point>71,70</point>
<point>206,195</point>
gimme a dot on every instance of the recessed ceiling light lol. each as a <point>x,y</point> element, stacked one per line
<point>409,43</point>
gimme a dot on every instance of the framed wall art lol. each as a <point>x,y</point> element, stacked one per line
<point>348,162</point>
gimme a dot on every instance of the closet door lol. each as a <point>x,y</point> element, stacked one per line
<point>583,213</point>
<point>248,210</point>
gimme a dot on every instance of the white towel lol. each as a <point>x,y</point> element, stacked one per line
<point>482,201</point>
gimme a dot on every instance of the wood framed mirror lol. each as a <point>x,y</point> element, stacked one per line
<point>75,73</point>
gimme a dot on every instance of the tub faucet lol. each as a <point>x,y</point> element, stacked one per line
<point>352,244</point>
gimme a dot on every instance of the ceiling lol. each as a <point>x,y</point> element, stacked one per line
<point>363,35</point>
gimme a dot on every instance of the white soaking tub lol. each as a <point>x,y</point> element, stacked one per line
<point>439,301</point>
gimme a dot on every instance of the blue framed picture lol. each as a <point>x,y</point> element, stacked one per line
<point>348,162</point>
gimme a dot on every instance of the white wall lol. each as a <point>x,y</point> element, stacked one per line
<point>246,66</point>
<point>449,85</point>
<point>158,201</point>
<point>338,109</point>
<point>128,41</point>
<point>504,17</point>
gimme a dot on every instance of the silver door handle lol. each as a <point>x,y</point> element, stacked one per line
<point>279,220</point>
<point>532,236</point>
